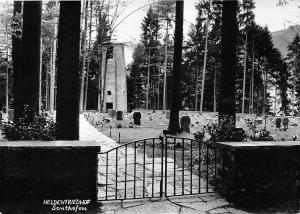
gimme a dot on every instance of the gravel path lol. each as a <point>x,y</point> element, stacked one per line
<point>89,133</point>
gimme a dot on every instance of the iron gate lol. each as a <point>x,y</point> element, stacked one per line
<point>156,167</point>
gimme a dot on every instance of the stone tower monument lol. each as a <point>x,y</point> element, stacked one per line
<point>114,87</point>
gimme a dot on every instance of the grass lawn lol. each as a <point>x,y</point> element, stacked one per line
<point>149,128</point>
<point>131,134</point>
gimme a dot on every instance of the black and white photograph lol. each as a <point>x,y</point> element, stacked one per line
<point>149,106</point>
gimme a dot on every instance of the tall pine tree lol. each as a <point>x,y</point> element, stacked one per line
<point>293,60</point>
<point>30,59</point>
<point>68,87</point>
<point>137,80</point>
<point>16,56</point>
<point>146,64</point>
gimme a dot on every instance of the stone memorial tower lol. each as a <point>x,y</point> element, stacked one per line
<point>114,87</point>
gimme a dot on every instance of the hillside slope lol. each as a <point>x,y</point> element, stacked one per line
<point>282,38</point>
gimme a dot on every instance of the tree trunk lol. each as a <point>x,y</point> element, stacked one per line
<point>175,106</point>
<point>215,91</point>
<point>100,109</point>
<point>40,76</point>
<point>275,104</point>
<point>53,69</point>
<point>252,82</point>
<point>47,89</point>
<point>166,69</point>
<point>244,74</point>
<point>88,61</point>
<point>17,67</point>
<point>100,74</point>
<point>196,85</point>
<point>68,83</point>
<point>265,89</point>
<point>84,56</point>
<point>31,58</point>
<point>7,75</point>
<point>204,64</point>
<point>81,24</point>
<point>228,64</point>
<point>148,81</point>
<point>158,97</point>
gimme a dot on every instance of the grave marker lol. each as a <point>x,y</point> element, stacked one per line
<point>137,118</point>
<point>119,115</point>
<point>185,122</point>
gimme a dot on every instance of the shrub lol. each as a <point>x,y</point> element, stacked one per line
<point>207,156</point>
<point>207,153</point>
<point>43,128</point>
<point>221,134</point>
<point>199,136</point>
<point>252,124</point>
<point>227,132</point>
<point>262,135</point>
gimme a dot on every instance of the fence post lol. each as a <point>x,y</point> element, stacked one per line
<point>162,166</point>
<point>166,166</point>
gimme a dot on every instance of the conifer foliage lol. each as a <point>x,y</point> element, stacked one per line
<point>293,60</point>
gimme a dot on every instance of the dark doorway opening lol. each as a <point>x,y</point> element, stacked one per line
<point>109,106</point>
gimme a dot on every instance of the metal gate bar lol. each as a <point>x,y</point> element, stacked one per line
<point>126,172</point>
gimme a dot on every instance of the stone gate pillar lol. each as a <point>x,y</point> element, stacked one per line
<point>48,176</point>
<point>260,176</point>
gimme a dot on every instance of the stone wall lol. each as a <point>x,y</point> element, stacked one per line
<point>259,176</point>
<point>35,175</point>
